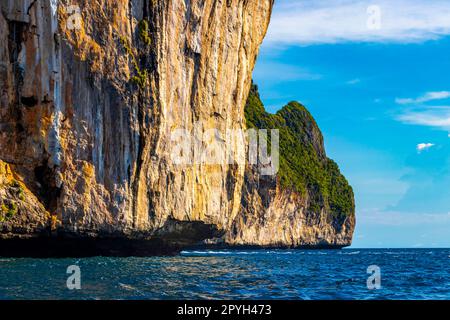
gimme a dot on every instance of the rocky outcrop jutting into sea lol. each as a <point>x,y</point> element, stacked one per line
<point>309,203</point>
<point>90,94</point>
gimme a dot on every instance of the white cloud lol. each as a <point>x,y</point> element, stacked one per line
<point>424,146</point>
<point>276,72</point>
<point>353,81</point>
<point>392,218</point>
<point>429,96</point>
<point>304,22</point>
<point>430,116</point>
<point>438,117</point>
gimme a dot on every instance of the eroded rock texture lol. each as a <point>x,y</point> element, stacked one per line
<point>91,92</point>
<point>309,203</point>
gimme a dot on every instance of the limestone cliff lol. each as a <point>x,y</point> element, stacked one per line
<point>91,92</point>
<point>308,203</point>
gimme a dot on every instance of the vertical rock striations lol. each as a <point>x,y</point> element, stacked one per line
<point>91,94</point>
<point>91,91</point>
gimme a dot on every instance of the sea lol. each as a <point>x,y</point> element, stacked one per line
<point>349,274</point>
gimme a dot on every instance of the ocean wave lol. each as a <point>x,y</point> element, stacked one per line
<point>398,253</point>
<point>350,253</point>
<point>210,252</point>
<point>231,252</point>
<point>127,287</point>
<point>254,274</point>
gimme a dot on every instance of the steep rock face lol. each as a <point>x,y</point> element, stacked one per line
<point>90,94</point>
<point>308,203</point>
<point>21,213</point>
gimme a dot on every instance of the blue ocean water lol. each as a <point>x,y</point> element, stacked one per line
<point>253,274</point>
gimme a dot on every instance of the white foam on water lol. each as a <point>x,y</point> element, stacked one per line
<point>234,253</point>
<point>316,253</point>
<point>204,252</point>
<point>127,286</point>
<point>351,253</point>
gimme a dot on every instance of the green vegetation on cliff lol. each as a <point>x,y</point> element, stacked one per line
<point>304,167</point>
<point>144,33</point>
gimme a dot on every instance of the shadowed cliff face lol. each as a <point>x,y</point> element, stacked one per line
<point>91,91</point>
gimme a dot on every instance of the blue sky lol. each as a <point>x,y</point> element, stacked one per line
<point>381,96</point>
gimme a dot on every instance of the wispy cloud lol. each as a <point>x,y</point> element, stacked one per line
<point>276,72</point>
<point>429,96</point>
<point>418,113</point>
<point>353,81</point>
<point>304,22</point>
<point>392,218</point>
<point>438,117</point>
<point>424,146</point>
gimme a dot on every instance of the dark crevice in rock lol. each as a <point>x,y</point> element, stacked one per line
<point>31,6</point>
<point>145,10</point>
<point>16,37</point>
<point>231,181</point>
<point>187,233</point>
<point>146,147</point>
<point>29,101</point>
<point>173,237</point>
<point>217,115</point>
<point>57,42</point>
<point>20,129</point>
<point>48,192</point>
